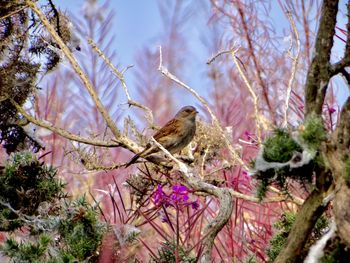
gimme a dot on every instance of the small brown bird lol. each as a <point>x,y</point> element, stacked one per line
<point>174,135</point>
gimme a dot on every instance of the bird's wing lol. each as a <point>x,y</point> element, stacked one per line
<point>171,127</point>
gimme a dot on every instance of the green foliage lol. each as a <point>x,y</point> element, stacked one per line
<point>26,183</point>
<point>283,228</point>
<point>335,252</point>
<point>277,242</point>
<point>314,132</point>
<point>261,188</point>
<point>76,227</point>
<point>81,230</point>
<point>166,254</point>
<point>290,161</point>
<point>280,147</point>
<point>321,224</point>
<point>251,259</point>
<point>26,251</point>
<point>347,168</point>
<point>279,176</point>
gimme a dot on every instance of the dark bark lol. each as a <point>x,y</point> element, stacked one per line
<point>311,210</point>
<point>318,77</point>
<point>319,72</point>
<point>337,149</point>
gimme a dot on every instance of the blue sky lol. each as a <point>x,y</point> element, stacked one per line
<point>139,17</point>
<point>138,24</point>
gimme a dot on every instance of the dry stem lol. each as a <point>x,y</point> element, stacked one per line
<point>120,76</point>
<point>62,132</point>
<point>122,140</point>
<point>295,60</point>
<point>257,116</point>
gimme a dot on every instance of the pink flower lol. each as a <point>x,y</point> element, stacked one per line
<point>195,205</point>
<point>179,194</point>
<point>159,196</point>
<point>331,110</point>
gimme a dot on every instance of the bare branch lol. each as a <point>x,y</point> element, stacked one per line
<point>346,75</point>
<point>345,61</point>
<point>215,121</point>
<point>211,60</point>
<point>69,55</point>
<point>258,118</point>
<point>62,132</point>
<point>320,72</point>
<point>123,141</point>
<point>13,13</point>
<point>120,76</point>
<point>295,59</point>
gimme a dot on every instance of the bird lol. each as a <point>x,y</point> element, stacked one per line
<point>175,135</point>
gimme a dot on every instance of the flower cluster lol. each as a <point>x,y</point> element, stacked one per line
<point>178,197</point>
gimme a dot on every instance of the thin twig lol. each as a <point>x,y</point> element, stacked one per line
<point>295,59</point>
<point>13,13</point>
<point>126,142</point>
<point>257,115</point>
<point>70,136</point>
<point>115,71</point>
<point>183,168</point>
<point>215,121</point>
<point>57,15</point>
<point>120,76</point>
<point>217,55</point>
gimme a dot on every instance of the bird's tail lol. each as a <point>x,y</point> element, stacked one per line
<point>133,160</point>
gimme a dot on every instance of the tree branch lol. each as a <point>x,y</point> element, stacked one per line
<point>336,151</point>
<point>345,61</point>
<point>120,76</point>
<point>66,134</point>
<point>318,77</point>
<point>319,72</point>
<point>122,140</point>
<point>295,59</point>
<point>311,210</point>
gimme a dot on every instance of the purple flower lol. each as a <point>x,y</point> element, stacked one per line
<point>179,194</point>
<point>165,219</point>
<point>178,198</point>
<point>195,205</point>
<point>331,110</point>
<point>159,196</point>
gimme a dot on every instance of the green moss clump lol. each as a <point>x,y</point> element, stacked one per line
<point>280,147</point>
<point>314,132</point>
<point>347,168</point>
